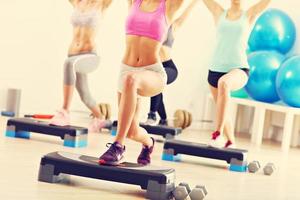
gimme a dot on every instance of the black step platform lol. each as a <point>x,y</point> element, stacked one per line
<point>158,181</point>
<point>21,128</point>
<point>237,158</point>
<point>164,131</point>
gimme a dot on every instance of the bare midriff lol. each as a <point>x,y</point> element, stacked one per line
<point>165,53</point>
<point>83,40</point>
<point>141,51</point>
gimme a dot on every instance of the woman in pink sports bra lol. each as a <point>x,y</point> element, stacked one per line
<point>141,73</point>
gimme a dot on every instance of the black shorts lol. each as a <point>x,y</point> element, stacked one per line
<point>171,71</point>
<point>213,77</point>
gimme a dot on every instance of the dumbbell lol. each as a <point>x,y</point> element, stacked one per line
<point>269,169</point>
<point>182,119</point>
<point>198,193</point>
<point>183,192</point>
<point>253,166</point>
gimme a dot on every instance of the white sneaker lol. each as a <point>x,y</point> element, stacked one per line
<point>217,140</point>
<point>151,122</point>
<point>61,118</point>
<point>96,125</point>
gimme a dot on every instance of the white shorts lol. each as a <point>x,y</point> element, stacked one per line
<point>125,69</point>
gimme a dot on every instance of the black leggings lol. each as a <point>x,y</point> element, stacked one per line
<point>157,103</point>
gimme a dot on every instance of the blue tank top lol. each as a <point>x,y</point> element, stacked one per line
<point>231,44</point>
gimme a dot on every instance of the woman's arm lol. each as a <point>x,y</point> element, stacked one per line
<point>257,9</point>
<point>73,2</point>
<point>172,7</point>
<point>181,19</point>
<point>130,3</point>
<point>106,4</point>
<point>216,9</point>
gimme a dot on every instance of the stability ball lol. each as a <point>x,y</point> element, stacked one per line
<point>264,66</point>
<point>240,94</point>
<point>274,30</point>
<point>288,81</point>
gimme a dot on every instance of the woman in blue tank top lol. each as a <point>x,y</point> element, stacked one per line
<point>229,70</point>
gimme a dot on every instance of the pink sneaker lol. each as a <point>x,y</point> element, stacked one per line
<point>96,125</point>
<point>230,145</point>
<point>61,118</point>
<point>217,140</point>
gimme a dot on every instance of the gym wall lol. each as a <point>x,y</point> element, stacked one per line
<point>34,39</point>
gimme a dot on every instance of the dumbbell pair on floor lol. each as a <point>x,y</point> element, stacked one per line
<point>184,192</point>
<point>254,166</point>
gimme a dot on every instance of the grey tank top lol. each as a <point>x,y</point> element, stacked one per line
<point>169,41</point>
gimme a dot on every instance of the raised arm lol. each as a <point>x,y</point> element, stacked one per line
<point>73,2</point>
<point>257,9</point>
<point>181,19</point>
<point>106,4</point>
<point>172,7</point>
<point>130,3</point>
<point>215,8</point>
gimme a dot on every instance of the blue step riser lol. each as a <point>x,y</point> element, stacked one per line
<point>74,144</point>
<point>170,157</point>
<point>113,132</point>
<point>237,168</point>
<point>18,134</point>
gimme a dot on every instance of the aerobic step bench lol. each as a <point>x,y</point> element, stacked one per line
<point>21,128</point>
<point>237,158</point>
<point>158,181</point>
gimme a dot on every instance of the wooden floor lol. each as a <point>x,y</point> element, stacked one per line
<point>20,163</point>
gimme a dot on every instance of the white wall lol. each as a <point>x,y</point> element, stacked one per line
<point>35,35</point>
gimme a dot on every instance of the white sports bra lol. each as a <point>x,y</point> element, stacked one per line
<point>85,19</point>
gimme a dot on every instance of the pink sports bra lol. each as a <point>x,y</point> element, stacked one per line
<point>148,24</point>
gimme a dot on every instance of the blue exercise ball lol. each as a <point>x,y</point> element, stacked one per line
<point>288,81</point>
<point>241,93</point>
<point>274,30</point>
<point>264,66</point>
<point>248,51</point>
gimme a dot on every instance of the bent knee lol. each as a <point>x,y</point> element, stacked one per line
<point>130,80</point>
<point>223,86</point>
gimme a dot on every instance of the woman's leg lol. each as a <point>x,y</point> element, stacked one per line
<point>162,112</point>
<point>62,117</point>
<point>228,128</point>
<point>69,83</point>
<point>154,105</point>
<point>68,95</point>
<point>144,83</point>
<point>85,94</point>
<point>171,71</point>
<point>233,80</point>
<point>172,74</point>
<point>83,89</point>
<point>136,132</point>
